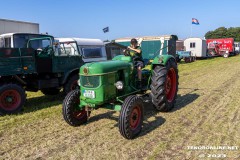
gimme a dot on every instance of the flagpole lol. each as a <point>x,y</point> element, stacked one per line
<point>191,31</point>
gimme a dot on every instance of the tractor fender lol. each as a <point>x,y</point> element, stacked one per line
<point>162,60</point>
<point>69,74</point>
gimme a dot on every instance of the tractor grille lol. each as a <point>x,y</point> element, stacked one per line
<point>90,81</point>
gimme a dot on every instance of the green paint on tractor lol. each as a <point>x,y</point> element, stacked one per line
<point>114,85</point>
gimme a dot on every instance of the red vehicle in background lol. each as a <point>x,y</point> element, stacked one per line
<point>223,47</point>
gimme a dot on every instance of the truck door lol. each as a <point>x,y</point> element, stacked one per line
<point>44,52</point>
<point>66,58</point>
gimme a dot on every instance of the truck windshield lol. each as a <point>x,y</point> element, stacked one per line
<point>68,48</point>
<point>20,40</point>
<point>92,52</point>
<point>39,43</point>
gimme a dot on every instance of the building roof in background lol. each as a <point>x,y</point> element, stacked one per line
<point>9,20</point>
<point>82,41</point>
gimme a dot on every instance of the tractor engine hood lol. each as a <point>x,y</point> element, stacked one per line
<point>99,68</point>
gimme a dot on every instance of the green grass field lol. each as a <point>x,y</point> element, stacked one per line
<point>207,113</point>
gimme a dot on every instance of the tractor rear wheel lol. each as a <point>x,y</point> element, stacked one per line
<point>71,113</point>
<point>164,86</point>
<point>12,98</point>
<point>71,84</point>
<point>131,117</point>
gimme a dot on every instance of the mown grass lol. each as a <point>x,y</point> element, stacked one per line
<point>206,113</point>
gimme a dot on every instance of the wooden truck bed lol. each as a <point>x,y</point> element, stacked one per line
<point>15,61</point>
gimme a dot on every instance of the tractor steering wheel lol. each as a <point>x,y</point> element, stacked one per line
<point>126,52</point>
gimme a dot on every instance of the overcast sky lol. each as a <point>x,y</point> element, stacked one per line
<point>87,18</point>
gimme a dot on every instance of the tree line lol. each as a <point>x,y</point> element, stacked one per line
<point>223,32</point>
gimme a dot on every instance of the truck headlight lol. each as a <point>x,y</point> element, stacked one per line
<point>119,85</point>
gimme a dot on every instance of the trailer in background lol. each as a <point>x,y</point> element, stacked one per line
<point>153,45</point>
<point>180,45</point>
<point>221,47</point>
<point>181,52</point>
<point>113,50</point>
<point>237,47</point>
<point>196,46</point>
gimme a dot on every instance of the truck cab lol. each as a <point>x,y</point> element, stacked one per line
<point>34,62</point>
<point>17,40</point>
<point>90,50</point>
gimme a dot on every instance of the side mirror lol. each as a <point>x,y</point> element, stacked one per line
<point>39,50</point>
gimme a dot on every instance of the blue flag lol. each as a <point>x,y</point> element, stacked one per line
<point>195,21</point>
<point>106,29</point>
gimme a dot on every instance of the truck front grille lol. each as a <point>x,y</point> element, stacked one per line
<point>90,81</point>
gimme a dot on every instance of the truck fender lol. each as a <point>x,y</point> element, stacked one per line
<point>68,74</point>
<point>18,79</point>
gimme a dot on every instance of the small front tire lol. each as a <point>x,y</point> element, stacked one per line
<point>71,112</point>
<point>131,117</point>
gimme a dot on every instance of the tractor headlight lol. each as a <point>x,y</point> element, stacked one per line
<point>226,51</point>
<point>119,85</point>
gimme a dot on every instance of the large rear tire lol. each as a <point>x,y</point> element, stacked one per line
<point>71,84</point>
<point>71,112</point>
<point>131,117</point>
<point>164,86</point>
<point>12,98</point>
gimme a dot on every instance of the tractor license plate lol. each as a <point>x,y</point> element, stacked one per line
<point>89,94</point>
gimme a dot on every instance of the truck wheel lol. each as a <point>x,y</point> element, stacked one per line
<point>71,84</point>
<point>164,86</point>
<point>178,59</point>
<point>71,113</point>
<point>50,91</point>
<point>131,117</point>
<point>187,59</point>
<point>225,55</point>
<point>12,98</point>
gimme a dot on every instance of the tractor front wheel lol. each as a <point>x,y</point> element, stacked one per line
<point>71,112</point>
<point>12,98</point>
<point>131,117</point>
<point>164,86</point>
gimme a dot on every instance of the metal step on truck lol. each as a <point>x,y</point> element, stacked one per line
<point>33,62</point>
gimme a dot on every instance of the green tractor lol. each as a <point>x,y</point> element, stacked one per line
<point>113,85</point>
